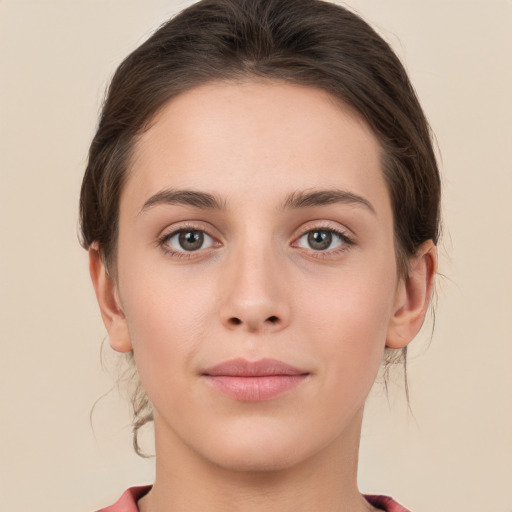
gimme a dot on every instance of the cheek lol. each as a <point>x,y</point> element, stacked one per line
<point>348,316</point>
<point>166,317</point>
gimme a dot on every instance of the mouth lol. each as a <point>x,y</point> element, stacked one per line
<point>254,381</point>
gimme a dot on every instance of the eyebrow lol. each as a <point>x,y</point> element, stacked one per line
<point>202,200</point>
<point>296,200</point>
<point>305,199</point>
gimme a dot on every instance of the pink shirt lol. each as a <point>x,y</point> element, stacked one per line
<point>128,501</point>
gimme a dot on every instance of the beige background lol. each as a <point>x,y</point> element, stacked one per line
<point>454,455</point>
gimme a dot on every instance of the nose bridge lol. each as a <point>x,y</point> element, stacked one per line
<point>254,297</point>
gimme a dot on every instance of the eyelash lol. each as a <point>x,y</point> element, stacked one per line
<point>345,240</point>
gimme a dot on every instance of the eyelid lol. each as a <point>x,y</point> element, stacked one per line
<point>191,225</point>
<point>324,225</point>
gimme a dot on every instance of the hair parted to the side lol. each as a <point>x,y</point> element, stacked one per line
<point>307,42</point>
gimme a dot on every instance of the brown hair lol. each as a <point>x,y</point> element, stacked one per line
<point>307,42</point>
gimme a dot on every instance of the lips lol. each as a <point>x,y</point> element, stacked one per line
<point>254,381</point>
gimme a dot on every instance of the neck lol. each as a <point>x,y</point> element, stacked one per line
<point>186,481</point>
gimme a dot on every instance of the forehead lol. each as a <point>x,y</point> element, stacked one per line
<point>235,139</point>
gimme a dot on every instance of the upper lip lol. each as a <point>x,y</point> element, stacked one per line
<point>262,368</point>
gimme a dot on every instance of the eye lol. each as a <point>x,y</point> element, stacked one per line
<point>322,240</point>
<point>188,240</point>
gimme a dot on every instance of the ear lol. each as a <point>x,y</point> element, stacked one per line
<point>108,300</point>
<point>413,297</point>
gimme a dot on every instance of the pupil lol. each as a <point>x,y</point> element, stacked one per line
<point>191,240</point>
<point>319,240</point>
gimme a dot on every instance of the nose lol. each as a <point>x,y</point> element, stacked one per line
<point>254,295</point>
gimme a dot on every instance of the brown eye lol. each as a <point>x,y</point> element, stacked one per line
<point>322,240</point>
<point>319,240</point>
<point>189,240</point>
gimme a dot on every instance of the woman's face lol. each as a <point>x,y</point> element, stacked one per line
<point>256,272</point>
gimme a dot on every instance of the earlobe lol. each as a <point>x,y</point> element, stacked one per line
<point>413,297</point>
<point>109,303</point>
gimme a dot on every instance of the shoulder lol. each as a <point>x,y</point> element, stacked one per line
<point>385,503</point>
<point>128,501</point>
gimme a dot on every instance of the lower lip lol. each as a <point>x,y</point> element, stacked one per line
<point>254,389</point>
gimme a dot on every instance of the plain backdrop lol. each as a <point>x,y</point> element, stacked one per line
<point>452,454</point>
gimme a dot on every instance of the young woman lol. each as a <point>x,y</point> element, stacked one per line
<point>261,210</point>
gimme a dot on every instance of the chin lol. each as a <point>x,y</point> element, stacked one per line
<point>257,459</point>
<point>259,448</point>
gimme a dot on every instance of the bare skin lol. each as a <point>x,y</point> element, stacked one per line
<point>255,223</point>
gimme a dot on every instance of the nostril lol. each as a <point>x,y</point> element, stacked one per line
<point>233,321</point>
